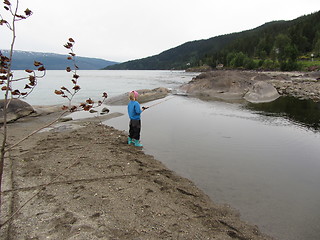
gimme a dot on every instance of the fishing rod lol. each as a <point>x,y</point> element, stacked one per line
<point>144,108</point>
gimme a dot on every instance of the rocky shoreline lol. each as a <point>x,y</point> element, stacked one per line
<point>254,86</point>
<point>299,85</point>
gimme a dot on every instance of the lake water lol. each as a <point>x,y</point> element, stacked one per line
<point>93,83</point>
<point>261,159</point>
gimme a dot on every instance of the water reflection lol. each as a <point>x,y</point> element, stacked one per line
<point>301,112</point>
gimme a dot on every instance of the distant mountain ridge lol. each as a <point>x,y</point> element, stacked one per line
<point>24,60</point>
<point>298,37</point>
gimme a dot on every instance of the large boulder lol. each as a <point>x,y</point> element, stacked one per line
<point>232,85</point>
<point>145,95</point>
<point>261,92</point>
<point>16,109</point>
<point>226,85</point>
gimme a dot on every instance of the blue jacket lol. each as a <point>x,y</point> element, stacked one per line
<point>134,110</point>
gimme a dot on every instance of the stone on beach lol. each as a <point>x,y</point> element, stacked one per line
<point>145,95</point>
<point>261,92</point>
<point>16,109</point>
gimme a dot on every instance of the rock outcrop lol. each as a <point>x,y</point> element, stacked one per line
<point>16,109</point>
<point>261,92</point>
<point>145,95</point>
<point>253,86</point>
<point>299,87</point>
<point>225,85</point>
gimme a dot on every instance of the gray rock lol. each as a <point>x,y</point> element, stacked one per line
<point>105,110</point>
<point>232,85</point>
<point>16,109</point>
<point>145,95</point>
<point>261,92</point>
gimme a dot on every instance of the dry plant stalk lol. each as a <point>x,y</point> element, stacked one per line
<point>7,81</point>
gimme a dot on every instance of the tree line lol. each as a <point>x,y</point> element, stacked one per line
<point>275,45</point>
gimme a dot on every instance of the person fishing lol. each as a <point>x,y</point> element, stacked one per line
<point>134,112</point>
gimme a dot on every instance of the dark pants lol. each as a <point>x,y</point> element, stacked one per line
<point>134,129</point>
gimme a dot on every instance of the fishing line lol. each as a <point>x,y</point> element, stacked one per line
<point>158,103</point>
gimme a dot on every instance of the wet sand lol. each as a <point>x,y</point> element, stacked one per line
<point>82,181</point>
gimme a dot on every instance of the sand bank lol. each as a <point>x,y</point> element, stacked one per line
<point>87,183</point>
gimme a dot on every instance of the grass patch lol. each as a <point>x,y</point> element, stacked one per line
<point>310,65</point>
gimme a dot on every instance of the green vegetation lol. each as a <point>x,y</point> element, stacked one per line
<point>309,65</point>
<point>278,45</point>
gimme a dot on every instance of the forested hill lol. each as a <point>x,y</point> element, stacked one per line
<point>274,45</point>
<point>24,60</point>
<point>181,57</point>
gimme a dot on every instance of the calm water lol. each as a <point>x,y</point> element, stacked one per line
<point>94,83</point>
<point>261,159</point>
<point>305,113</point>
<point>267,167</point>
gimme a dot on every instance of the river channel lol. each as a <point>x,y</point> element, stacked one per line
<point>261,159</point>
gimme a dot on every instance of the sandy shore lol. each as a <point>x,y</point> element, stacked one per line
<point>82,181</point>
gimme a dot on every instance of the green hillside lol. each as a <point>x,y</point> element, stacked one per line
<point>181,57</point>
<point>284,45</point>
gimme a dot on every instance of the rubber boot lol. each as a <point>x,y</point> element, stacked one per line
<point>137,143</point>
<point>129,140</point>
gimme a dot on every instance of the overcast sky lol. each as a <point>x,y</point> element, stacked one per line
<point>122,30</point>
